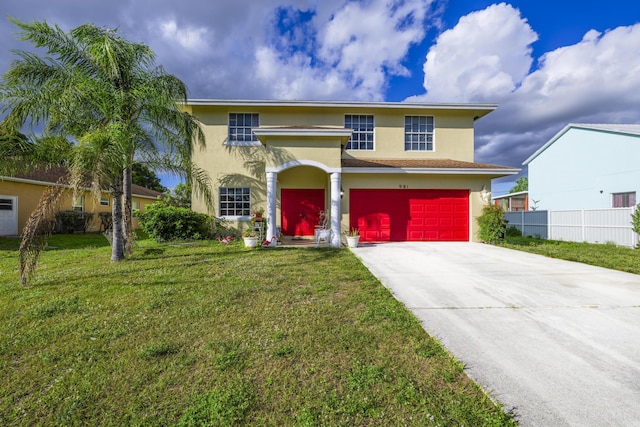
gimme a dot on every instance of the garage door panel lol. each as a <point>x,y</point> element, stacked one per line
<point>415,215</point>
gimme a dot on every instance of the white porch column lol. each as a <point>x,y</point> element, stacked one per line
<point>271,208</point>
<point>335,209</point>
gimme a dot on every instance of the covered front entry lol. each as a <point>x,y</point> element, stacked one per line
<point>410,214</point>
<point>303,148</point>
<point>8,215</point>
<point>301,210</point>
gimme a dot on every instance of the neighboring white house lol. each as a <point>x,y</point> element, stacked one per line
<point>587,166</point>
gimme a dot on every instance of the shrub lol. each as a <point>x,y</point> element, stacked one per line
<point>164,223</point>
<point>513,231</point>
<point>492,224</point>
<point>635,221</point>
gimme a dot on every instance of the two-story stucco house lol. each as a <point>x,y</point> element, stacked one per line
<point>396,171</point>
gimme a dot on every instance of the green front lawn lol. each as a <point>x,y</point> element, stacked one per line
<point>209,334</point>
<point>601,255</point>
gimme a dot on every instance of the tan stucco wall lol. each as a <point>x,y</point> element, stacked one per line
<point>323,150</point>
<point>453,137</point>
<point>29,195</point>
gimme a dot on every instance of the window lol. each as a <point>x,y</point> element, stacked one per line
<point>235,201</point>
<point>624,200</point>
<point>135,207</point>
<point>104,201</point>
<point>240,125</point>
<point>362,136</point>
<point>6,204</point>
<point>418,133</point>
<point>78,204</point>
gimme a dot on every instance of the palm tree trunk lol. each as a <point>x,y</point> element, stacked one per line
<point>117,244</point>
<point>127,228</point>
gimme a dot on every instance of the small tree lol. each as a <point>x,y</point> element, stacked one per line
<point>522,184</point>
<point>492,224</point>
<point>635,221</point>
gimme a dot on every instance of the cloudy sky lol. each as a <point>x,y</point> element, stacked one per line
<point>546,63</point>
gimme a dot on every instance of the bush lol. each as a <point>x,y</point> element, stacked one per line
<point>492,224</point>
<point>69,222</point>
<point>165,223</point>
<point>635,221</point>
<point>513,231</point>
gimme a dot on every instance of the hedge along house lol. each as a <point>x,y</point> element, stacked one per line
<point>20,194</point>
<point>395,171</point>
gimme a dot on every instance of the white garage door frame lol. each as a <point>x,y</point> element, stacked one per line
<point>8,217</point>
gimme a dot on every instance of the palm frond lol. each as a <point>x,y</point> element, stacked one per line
<point>39,226</point>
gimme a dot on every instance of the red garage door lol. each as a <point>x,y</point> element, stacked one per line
<point>413,215</point>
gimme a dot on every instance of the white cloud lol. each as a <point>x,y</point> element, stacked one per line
<point>486,55</point>
<point>486,58</point>
<point>357,48</point>
<point>187,37</point>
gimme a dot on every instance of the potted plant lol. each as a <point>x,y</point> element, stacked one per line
<point>353,237</point>
<point>250,238</point>
<point>257,214</point>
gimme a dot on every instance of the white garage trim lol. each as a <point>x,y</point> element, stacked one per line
<point>8,215</point>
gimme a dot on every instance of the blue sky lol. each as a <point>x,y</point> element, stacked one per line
<point>545,63</point>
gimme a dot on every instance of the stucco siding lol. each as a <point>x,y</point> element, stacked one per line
<point>29,196</point>
<point>583,168</point>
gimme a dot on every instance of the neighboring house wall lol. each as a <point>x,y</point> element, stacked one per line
<point>28,196</point>
<point>584,166</point>
<point>513,202</point>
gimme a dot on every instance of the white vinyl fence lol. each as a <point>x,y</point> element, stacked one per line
<point>578,225</point>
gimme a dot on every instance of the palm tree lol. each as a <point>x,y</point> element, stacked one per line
<point>108,95</point>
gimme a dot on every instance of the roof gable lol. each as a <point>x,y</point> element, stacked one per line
<point>621,129</point>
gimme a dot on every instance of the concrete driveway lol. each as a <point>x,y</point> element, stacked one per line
<point>557,342</point>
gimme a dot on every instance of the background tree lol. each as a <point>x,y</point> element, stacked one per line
<point>109,96</point>
<point>142,175</point>
<point>180,196</point>
<point>522,184</point>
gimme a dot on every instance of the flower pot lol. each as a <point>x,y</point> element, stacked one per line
<point>250,242</point>
<point>352,241</point>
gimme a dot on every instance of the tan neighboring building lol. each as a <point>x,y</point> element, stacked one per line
<point>20,194</point>
<point>396,171</point>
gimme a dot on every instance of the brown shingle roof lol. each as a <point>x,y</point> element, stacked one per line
<point>418,164</point>
<point>59,174</point>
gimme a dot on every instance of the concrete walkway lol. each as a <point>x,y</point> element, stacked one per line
<point>558,343</point>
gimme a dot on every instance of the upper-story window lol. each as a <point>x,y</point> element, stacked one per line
<point>418,133</point>
<point>240,125</point>
<point>624,200</point>
<point>362,136</point>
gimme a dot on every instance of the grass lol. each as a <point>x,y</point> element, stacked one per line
<point>601,255</point>
<point>209,334</point>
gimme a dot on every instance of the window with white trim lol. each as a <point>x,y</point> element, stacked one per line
<point>362,136</point>
<point>418,133</point>
<point>6,204</point>
<point>235,201</point>
<point>624,200</point>
<point>135,207</point>
<point>240,125</point>
<point>78,204</point>
<point>104,201</point>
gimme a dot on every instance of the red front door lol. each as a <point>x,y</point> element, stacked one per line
<point>301,210</point>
